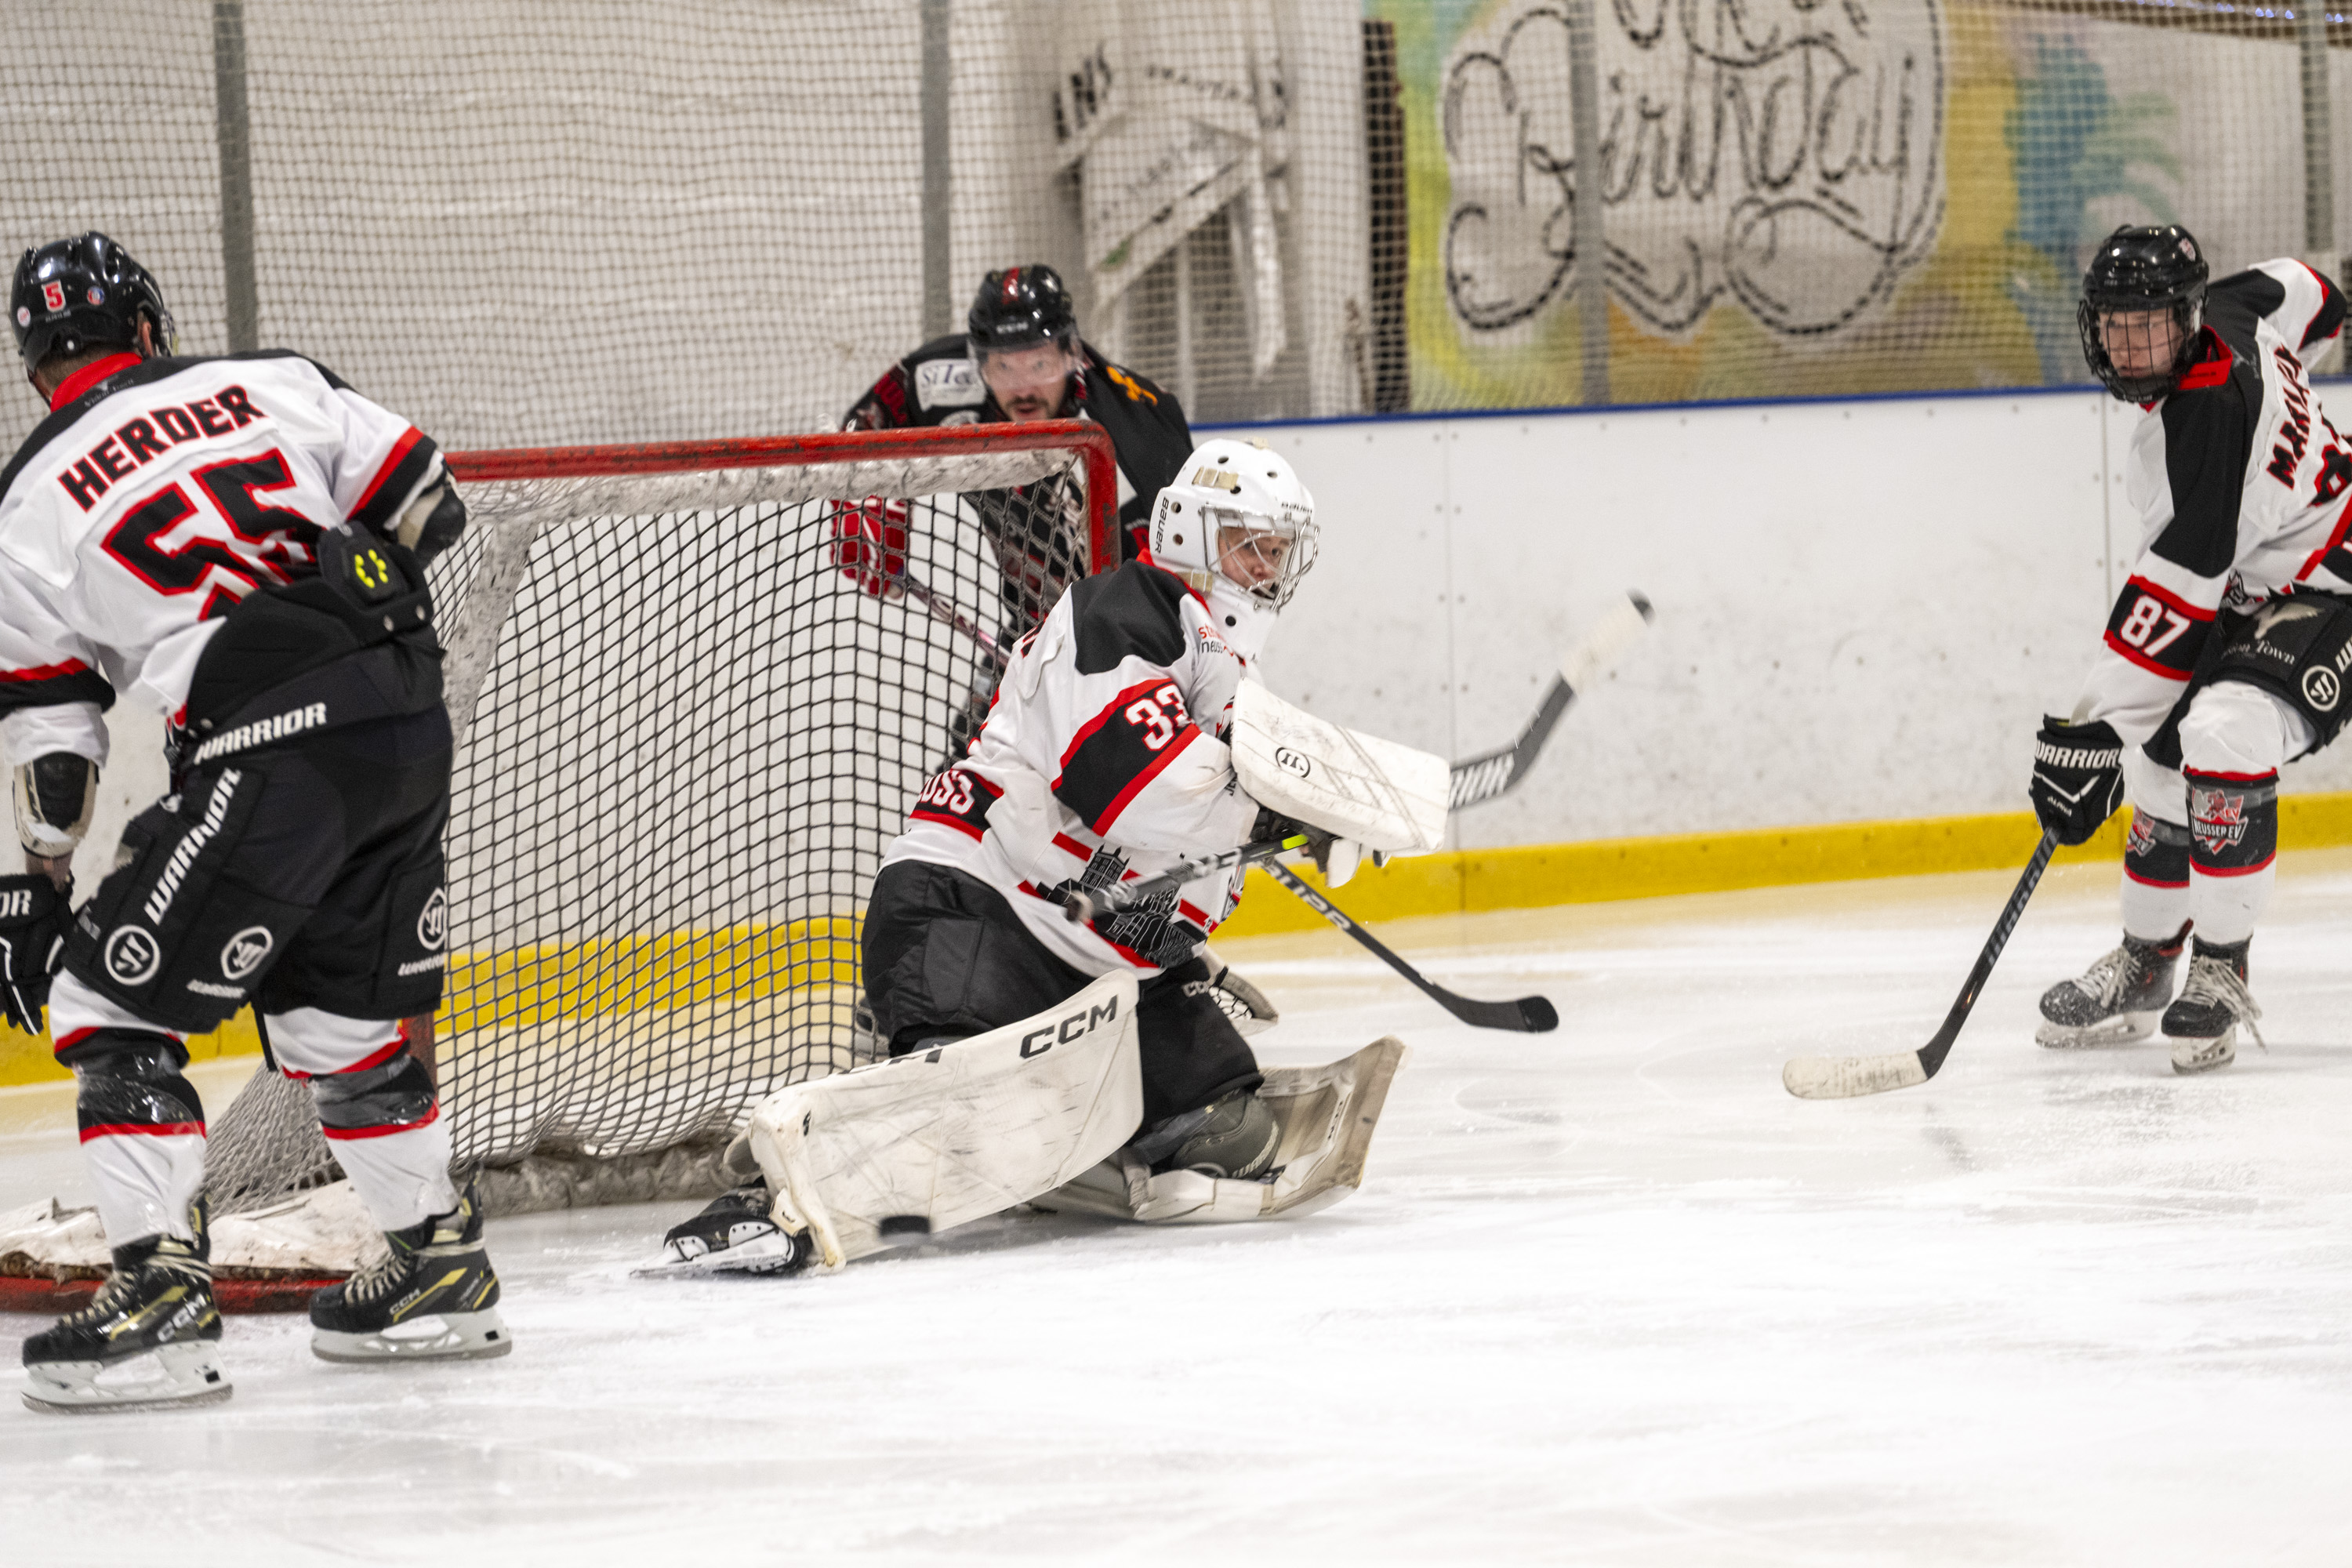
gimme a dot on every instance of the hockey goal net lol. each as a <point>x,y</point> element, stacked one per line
<point>697,688</point>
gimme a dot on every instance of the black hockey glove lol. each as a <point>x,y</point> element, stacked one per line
<point>2078,777</point>
<point>33,919</point>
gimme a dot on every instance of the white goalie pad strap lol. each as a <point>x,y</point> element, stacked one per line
<point>1326,1115</point>
<point>897,1150</point>
<point>1385,795</point>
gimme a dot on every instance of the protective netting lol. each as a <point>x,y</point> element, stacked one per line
<point>687,219</point>
<point>692,735</point>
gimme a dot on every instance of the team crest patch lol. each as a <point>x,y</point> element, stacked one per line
<point>2142,839</point>
<point>96,295</point>
<point>24,315</point>
<point>245,952</point>
<point>132,956</point>
<point>432,921</point>
<point>2216,817</point>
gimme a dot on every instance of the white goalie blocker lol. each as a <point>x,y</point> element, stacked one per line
<point>1385,797</point>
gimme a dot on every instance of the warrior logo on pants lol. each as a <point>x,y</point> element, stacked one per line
<point>132,956</point>
<point>432,923</point>
<point>245,952</point>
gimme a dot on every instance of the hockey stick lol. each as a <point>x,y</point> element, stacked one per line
<point>1528,1016</point>
<point>1846,1078</point>
<point>1490,774</point>
<point>945,610</point>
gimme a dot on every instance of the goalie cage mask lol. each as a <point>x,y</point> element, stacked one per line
<point>1231,503</point>
<point>2143,270</point>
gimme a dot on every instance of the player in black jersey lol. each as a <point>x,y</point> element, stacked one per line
<point>236,544</point>
<point>2227,653</point>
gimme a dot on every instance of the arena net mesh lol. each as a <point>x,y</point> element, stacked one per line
<point>692,732</point>
<point>629,221</point>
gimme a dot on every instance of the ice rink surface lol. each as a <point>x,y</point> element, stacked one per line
<point>1610,1296</point>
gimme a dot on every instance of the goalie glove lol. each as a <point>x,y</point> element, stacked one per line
<point>870,545</point>
<point>34,916</point>
<point>2078,777</point>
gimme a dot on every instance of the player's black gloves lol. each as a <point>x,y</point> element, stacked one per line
<point>2078,777</point>
<point>33,919</point>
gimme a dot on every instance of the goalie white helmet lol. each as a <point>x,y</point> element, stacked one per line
<point>1240,529</point>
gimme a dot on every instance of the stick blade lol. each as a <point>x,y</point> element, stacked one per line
<point>1528,1016</point>
<point>1850,1078</point>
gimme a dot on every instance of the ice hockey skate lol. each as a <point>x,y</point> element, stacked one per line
<point>432,1296</point>
<point>736,1233</point>
<point>2202,1025</point>
<point>150,1337</point>
<point>1323,1122</point>
<point>2116,1000</point>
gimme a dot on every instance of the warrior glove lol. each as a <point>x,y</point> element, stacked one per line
<point>2078,777</point>
<point>34,916</point>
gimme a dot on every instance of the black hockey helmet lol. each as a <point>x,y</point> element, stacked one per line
<point>82,293</point>
<point>2144,270</point>
<point>1019,308</point>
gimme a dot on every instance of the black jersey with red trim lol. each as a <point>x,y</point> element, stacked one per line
<point>155,497</point>
<point>1103,758</point>
<point>2242,485</point>
<point>939,384</point>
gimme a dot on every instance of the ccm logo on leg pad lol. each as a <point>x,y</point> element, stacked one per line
<point>1037,1042</point>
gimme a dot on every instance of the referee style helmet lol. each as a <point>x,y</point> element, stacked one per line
<point>82,293</point>
<point>2148,276</point>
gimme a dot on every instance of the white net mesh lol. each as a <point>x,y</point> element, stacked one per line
<point>693,733</point>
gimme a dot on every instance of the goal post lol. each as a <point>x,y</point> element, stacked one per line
<point>696,689</point>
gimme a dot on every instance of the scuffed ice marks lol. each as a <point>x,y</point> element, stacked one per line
<point>1783,151</point>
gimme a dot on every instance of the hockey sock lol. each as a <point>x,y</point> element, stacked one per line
<point>401,1173</point>
<point>2233,819</point>
<point>143,1129</point>
<point>2156,878</point>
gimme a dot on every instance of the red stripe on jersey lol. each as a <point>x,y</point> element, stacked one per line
<point>2117,645</point>
<point>128,1129</point>
<point>87,376</point>
<point>947,819</point>
<point>2343,520</point>
<point>1118,802</point>
<point>2268,775</point>
<point>2168,598</point>
<point>400,449</point>
<point>45,671</point>
<point>349,1134</point>
<point>2209,371</point>
<point>1140,689</point>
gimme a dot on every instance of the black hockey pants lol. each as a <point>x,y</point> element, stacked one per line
<point>946,958</point>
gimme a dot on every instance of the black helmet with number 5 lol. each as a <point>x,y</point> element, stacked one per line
<point>83,293</point>
<point>2148,277</point>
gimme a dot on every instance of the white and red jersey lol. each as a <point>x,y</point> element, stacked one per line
<point>1102,758</point>
<point>156,495</point>
<point>2244,489</point>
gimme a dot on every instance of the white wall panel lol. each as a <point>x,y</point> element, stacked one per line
<point>1864,609</point>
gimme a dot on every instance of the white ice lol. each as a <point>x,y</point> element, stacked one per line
<point>1609,1296</point>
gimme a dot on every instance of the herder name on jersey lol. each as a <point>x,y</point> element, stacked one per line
<point>2244,488</point>
<point>1102,760</point>
<point>138,514</point>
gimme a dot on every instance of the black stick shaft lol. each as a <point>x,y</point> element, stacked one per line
<point>1529,1015</point>
<point>1932,1054</point>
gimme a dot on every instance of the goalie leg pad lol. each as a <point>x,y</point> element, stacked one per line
<point>900,1149</point>
<point>1326,1115</point>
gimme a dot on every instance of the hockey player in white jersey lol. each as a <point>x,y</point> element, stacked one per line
<point>2228,649</point>
<point>1104,759</point>
<point>235,543</point>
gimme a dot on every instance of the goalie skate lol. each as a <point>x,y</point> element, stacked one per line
<point>735,1235</point>
<point>1326,1115</point>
